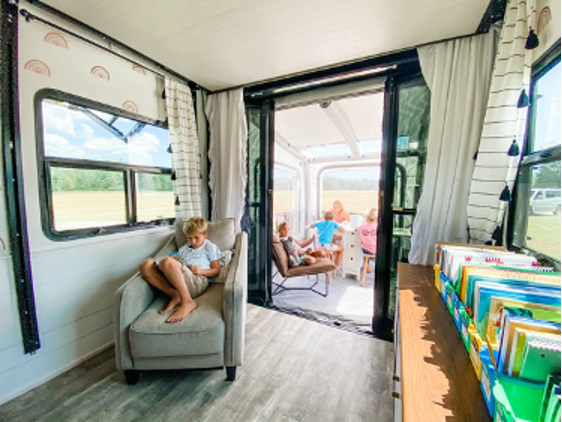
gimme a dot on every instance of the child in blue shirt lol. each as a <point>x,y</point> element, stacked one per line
<point>326,230</point>
<point>184,276</point>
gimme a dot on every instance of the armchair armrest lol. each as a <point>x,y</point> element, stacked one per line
<point>130,300</point>
<point>234,305</point>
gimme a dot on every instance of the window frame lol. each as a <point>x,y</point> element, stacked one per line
<point>530,158</point>
<point>44,164</point>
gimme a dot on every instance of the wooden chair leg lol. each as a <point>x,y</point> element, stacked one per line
<point>329,277</point>
<point>364,271</point>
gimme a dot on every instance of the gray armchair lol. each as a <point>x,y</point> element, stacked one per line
<point>212,336</point>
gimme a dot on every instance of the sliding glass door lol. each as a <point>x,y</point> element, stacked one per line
<point>257,220</point>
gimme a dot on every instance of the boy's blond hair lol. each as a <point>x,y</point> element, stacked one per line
<point>282,225</point>
<point>371,215</point>
<point>329,215</point>
<point>195,225</point>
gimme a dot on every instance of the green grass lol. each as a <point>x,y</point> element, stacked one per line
<point>74,210</point>
<point>544,234</point>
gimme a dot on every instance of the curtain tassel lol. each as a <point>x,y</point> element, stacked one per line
<point>177,200</point>
<point>169,150</point>
<point>497,235</point>
<point>532,40</point>
<point>164,94</point>
<point>173,175</point>
<point>523,100</point>
<point>513,150</point>
<point>506,194</point>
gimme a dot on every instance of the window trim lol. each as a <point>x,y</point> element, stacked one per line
<point>530,158</point>
<point>129,172</point>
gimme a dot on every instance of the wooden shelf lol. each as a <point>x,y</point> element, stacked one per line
<point>437,379</point>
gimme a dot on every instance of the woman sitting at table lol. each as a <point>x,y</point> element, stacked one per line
<point>340,216</point>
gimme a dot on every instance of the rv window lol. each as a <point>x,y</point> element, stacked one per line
<point>356,188</point>
<point>536,226</point>
<point>102,170</point>
<point>286,204</point>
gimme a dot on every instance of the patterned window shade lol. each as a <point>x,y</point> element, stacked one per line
<point>504,125</point>
<point>184,146</point>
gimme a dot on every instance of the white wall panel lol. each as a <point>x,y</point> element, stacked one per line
<point>31,371</point>
<point>74,281</point>
<point>9,320</point>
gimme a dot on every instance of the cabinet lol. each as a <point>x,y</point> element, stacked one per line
<point>352,256</point>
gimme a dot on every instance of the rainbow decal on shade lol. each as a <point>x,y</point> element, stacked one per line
<point>56,39</point>
<point>545,16</point>
<point>37,66</point>
<point>100,72</point>
<point>130,106</point>
<point>139,69</point>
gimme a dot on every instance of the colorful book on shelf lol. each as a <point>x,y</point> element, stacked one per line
<point>541,357</point>
<point>553,388</point>
<point>452,259</point>
<point>446,252</point>
<point>502,283</point>
<point>532,310</point>
<point>535,275</point>
<point>484,291</point>
<point>510,323</point>
<point>525,340</point>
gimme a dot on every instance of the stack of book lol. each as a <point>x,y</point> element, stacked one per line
<point>508,311</point>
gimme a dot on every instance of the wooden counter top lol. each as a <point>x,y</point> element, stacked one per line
<point>438,381</point>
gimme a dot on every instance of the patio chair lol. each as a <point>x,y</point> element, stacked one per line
<point>321,266</point>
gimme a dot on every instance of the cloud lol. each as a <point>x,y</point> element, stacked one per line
<point>59,146</point>
<point>58,118</point>
<point>87,131</point>
<point>139,150</point>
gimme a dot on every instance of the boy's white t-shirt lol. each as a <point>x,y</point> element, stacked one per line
<point>202,256</point>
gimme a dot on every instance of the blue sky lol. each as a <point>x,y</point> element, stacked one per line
<point>547,128</point>
<point>69,133</point>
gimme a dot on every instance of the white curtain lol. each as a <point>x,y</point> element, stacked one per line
<point>504,123</point>
<point>185,149</point>
<point>458,74</point>
<point>227,153</point>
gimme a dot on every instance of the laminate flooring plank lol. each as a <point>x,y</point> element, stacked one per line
<point>294,369</point>
<point>258,359</point>
<point>113,400</point>
<point>263,376</point>
<point>295,374</point>
<point>49,396</point>
<point>323,399</point>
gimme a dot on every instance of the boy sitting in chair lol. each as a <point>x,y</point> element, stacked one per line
<point>184,276</point>
<point>295,252</point>
<point>326,230</point>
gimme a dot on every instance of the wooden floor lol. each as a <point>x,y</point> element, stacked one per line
<point>294,370</point>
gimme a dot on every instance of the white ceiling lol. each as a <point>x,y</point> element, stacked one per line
<point>346,122</point>
<point>226,43</point>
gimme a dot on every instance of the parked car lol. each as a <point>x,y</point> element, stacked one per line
<point>545,200</point>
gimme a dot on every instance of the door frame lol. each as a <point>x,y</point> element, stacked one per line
<point>397,68</point>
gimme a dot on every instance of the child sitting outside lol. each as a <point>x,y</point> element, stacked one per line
<point>184,276</point>
<point>368,234</point>
<point>295,252</point>
<point>326,230</point>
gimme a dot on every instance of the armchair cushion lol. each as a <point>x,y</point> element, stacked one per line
<point>202,333</point>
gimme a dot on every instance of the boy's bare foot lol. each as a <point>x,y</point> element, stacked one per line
<point>183,311</point>
<point>368,270</point>
<point>175,301</point>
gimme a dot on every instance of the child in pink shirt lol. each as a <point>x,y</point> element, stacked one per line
<point>368,233</point>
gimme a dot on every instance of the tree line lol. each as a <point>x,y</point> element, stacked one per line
<point>70,179</point>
